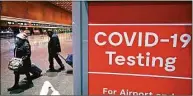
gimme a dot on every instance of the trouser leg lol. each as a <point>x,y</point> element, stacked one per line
<point>17,76</point>
<point>16,85</point>
<point>28,77</point>
<point>51,62</point>
<point>59,60</point>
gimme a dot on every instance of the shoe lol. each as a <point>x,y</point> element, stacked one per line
<point>38,75</point>
<point>62,68</point>
<point>52,70</point>
<point>13,88</point>
<point>30,84</point>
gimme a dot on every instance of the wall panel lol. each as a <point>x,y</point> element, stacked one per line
<point>40,10</point>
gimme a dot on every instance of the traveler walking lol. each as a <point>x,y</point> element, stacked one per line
<point>22,50</point>
<point>53,50</point>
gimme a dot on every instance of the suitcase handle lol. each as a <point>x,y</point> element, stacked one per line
<point>61,56</point>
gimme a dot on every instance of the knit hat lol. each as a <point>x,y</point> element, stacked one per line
<point>22,35</point>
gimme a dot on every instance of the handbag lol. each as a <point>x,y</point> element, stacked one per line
<point>15,63</point>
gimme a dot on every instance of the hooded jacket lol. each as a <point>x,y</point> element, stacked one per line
<point>54,45</point>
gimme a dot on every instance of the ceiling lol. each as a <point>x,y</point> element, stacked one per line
<point>66,5</point>
<point>15,20</point>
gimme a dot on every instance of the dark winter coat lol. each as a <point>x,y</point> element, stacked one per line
<point>24,52</point>
<point>54,45</point>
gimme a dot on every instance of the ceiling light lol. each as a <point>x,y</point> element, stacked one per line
<point>9,22</point>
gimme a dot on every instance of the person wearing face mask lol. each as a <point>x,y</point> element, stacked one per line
<point>22,50</point>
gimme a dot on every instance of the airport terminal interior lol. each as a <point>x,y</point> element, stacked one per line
<point>35,19</point>
<point>119,48</point>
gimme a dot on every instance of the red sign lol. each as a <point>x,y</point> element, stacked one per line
<point>140,48</point>
<point>140,59</point>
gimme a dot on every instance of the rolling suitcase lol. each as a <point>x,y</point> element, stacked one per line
<point>35,70</point>
<point>68,60</point>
